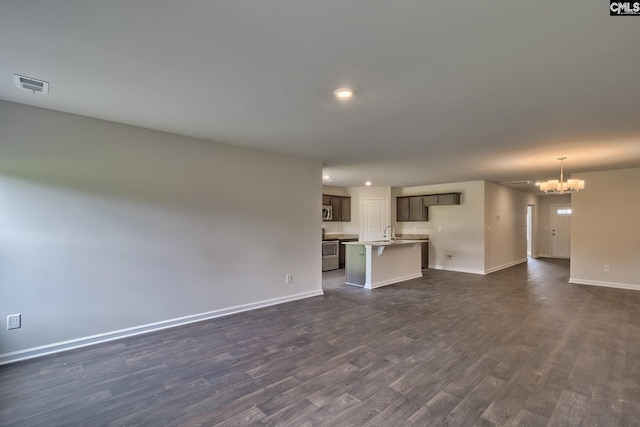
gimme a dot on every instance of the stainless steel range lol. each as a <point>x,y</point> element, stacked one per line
<point>330,255</point>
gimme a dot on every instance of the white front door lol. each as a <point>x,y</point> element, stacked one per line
<point>375,214</point>
<point>561,231</point>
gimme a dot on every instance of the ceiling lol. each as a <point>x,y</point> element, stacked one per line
<point>444,91</point>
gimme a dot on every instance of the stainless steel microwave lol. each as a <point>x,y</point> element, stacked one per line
<point>327,213</point>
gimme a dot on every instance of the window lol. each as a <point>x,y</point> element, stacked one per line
<point>564,211</point>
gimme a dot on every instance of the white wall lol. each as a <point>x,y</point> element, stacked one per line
<point>506,226</point>
<point>456,230</point>
<point>544,218</point>
<point>605,229</point>
<point>108,229</point>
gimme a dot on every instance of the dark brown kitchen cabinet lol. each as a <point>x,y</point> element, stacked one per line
<point>425,255</point>
<point>402,212</point>
<point>417,210</point>
<point>431,200</point>
<point>442,199</point>
<point>342,251</point>
<point>346,209</point>
<point>340,207</point>
<point>411,209</point>
<point>449,199</point>
<point>336,208</point>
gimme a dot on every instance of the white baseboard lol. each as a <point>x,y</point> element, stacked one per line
<point>30,353</point>
<point>577,281</point>
<point>395,280</point>
<point>459,270</point>
<point>507,265</point>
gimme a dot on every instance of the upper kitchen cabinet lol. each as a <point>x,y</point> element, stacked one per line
<point>416,208</point>
<point>345,214</point>
<point>441,199</point>
<point>340,207</point>
<point>411,209</point>
<point>402,211</point>
<point>336,208</point>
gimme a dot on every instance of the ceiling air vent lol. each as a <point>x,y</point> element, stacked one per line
<point>31,84</point>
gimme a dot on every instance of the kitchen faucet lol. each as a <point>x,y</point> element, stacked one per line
<point>390,237</point>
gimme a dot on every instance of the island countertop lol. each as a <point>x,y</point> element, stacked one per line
<point>386,242</point>
<point>339,237</point>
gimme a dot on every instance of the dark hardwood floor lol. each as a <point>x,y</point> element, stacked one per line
<point>518,347</point>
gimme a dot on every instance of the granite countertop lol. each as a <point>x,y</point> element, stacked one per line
<point>412,236</point>
<point>339,237</point>
<point>387,242</point>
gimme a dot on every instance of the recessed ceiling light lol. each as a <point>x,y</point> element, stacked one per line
<point>368,183</point>
<point>343,93</point>
<point>326,178</point>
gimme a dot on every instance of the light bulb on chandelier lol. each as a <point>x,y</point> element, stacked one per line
<point>554,186</point>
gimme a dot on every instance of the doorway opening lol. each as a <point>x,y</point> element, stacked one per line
<point>529,230</point>
<point>561,231</point>
<point>532,224</point>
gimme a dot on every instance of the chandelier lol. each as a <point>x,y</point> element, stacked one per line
<point>553,186</point>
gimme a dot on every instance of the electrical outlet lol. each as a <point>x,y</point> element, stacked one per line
<point>14,321</point>
<point>288,278</point>
<point>606,268</point>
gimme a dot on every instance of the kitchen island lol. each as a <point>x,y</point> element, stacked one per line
<point>380,263</point>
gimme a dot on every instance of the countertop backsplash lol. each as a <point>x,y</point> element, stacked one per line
<point>333,227</point>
